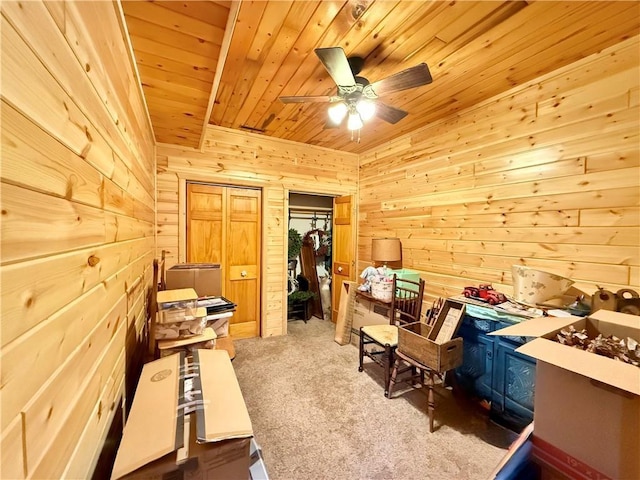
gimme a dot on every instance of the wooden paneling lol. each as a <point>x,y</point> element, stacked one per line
<point>230,61</point>
<point>177,46</point>
<point>546,175</point>
<point>475,50</point>
<point>472,181</point>
<point>78,217</point>
<point>245,159</point>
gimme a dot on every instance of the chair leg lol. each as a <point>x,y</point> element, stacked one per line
<point>394,374</point>
<point>387,359</point>
<point>361,350</point>
<point>431,404</point>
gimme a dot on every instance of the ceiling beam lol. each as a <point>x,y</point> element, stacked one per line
<point>224,52</point>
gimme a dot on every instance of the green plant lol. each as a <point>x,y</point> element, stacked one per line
<point>295,244</point>
<point>300,296</point>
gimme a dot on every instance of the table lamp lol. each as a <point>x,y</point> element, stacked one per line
<point>386,250</point>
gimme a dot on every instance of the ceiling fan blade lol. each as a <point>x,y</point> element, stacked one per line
<point>409,78</point>
<point>310,99</point>
<point>389,114</point>
<point>336,63</point>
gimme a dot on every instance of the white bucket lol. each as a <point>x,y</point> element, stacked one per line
<point>533,287</point>
<point>382,290</point>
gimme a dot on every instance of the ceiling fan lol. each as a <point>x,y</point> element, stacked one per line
<point>356,96</point>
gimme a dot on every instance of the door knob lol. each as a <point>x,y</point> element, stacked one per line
<point>243,273</point>
<point>339,269</point>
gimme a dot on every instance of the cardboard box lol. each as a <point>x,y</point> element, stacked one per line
<point>555,464</point>
<point>167,298</point>
<point>205,278</point>
<point>405,274</point>
<point>162,438</point>
<point>586,405</point>
<point>367,312</point>
<point>549,472</point>
<point>177,305</point>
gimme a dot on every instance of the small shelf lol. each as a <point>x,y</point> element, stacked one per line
<point>300,310</point>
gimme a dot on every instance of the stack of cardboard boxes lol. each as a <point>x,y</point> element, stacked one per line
<point>206,280</point>
<point>188,420</point>
<point>367,311</point>
<point>587,406</point>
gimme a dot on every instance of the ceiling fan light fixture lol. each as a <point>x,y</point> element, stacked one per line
<point>354,122</point>
<point>357,98</point>
<point>366,109</point>
<point>337,112</point>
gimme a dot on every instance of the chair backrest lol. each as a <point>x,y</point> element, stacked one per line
<point>406,304</point>
<point>162,283</point>
<point>158,283</point>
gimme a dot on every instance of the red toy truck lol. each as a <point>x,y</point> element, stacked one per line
<point>492,296</point>
<point>486,293</point>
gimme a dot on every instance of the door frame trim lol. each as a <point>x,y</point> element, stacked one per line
<point>287,192</point>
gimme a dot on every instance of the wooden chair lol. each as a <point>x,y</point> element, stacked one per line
<point>406,306</point>
<point>156,285</point>
<point>162,282</point>
<point>418,378</point>
<point>418,369</point>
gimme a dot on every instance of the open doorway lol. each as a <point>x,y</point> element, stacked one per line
<point>311,217</point>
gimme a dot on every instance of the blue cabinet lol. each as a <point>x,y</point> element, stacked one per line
<point>476,372</point>
<point>492,370</point>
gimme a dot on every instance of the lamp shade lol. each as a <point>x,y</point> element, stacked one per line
<point>386,250</point>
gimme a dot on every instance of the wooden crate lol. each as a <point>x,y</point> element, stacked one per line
<point>434,346</point>
<point>413,342</point>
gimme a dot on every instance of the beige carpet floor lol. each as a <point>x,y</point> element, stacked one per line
<point>316,417</point>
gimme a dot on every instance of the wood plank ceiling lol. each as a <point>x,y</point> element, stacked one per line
<point>475,50</point>
<point>177,46</point>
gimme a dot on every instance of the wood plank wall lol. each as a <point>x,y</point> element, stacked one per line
<point>78,214</point>
<point>234,157</point>
<point>546,175</point>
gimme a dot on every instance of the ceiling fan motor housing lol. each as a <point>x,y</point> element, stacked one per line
<point>353,93</point>
<point>355,64</point>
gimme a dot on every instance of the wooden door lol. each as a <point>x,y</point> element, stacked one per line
<point>242,260</point>
<point>205,227</point>
<point>224,226</point>
<point>343,245</point>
